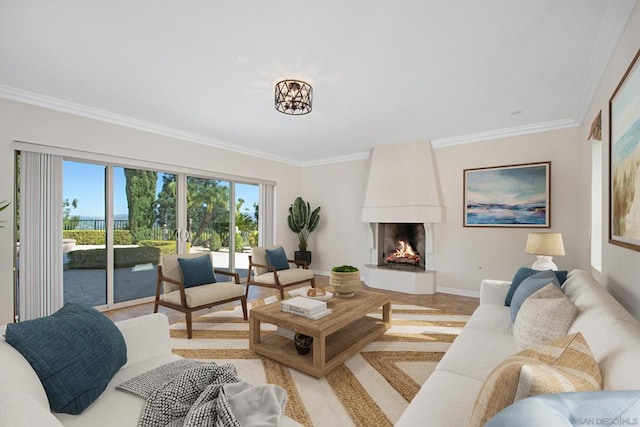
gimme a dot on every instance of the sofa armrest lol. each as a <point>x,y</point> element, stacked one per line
<point>146,337</point>
<point>493,291</point>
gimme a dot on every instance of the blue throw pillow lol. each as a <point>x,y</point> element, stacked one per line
<point>277,258</point>
<point>525,272</point>
<point>75,352</point>
<point>197,271</point>
<point>530,286</point>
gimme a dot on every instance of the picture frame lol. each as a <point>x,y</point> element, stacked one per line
<point>624,158</point>
<point>508,196</point>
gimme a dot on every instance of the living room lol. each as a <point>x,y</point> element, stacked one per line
<point>463,256</point>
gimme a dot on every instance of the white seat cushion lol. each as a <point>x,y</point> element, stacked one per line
<point>206,294</point>
<point>494,318</point>
<point>115,407</point>
<point>488,350</point>
<point>446,399</point>
<point>285,277</point>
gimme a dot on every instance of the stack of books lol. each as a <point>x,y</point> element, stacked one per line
<point>306,307</point>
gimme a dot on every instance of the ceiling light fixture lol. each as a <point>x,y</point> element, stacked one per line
<point>293,97</point>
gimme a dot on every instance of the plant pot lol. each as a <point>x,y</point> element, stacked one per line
<point>344,284</point>
<point>303,256</point>
<point>303,343</point>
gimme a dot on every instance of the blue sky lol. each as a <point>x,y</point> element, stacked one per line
<point>518,185</point>
<point>85,182</point>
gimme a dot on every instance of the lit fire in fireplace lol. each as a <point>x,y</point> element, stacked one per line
<point>404,254</point>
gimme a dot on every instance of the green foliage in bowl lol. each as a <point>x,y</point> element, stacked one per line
<point>345,269</point>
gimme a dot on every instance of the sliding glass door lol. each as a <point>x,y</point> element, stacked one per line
<point>143,215</point>
<point>247,198</point>
<point>119,221</point>
<point>208,206</point>
<point>84,233</point>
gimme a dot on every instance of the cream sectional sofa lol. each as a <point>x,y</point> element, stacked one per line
<point>448,396</point>
<point>23,401</point>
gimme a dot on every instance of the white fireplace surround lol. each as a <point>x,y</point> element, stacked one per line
<point>403,187</point>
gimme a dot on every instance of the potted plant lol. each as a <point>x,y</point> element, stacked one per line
<point>303,222</point>
<point>345,280</point>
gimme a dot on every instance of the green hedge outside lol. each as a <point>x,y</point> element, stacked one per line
<point>167,247</point>
<point>210,239</point>
<point>123,257</point>
<point>98,237</point>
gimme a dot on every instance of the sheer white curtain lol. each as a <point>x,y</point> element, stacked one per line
<point>40,234</point>
<point>266,213</point>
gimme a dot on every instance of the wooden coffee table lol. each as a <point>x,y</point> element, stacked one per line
<point>336,337</point>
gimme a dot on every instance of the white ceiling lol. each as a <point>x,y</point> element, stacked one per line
<point>382,71</point>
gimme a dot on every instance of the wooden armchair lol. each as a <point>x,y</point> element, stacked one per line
<point>262,274</point>
<point>189,299</point>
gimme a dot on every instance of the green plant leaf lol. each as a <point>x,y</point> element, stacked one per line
<point>302,221</point>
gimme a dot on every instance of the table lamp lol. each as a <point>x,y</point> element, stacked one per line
<point>545,246</point>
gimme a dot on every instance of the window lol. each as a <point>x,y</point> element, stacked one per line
<point>596,205</point>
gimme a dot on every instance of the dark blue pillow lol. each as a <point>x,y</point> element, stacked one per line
<point>530,286</point>
<point>525,272</point>
<point>277,258</point>
<point>197,271</point>
<point>75,352</point>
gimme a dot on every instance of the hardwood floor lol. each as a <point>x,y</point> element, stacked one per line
<point>458,304</point>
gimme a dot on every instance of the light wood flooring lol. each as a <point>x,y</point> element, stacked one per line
<point>458,304</point>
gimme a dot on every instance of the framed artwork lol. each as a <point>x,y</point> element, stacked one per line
<point>508,196</point>
<point>624,160</point>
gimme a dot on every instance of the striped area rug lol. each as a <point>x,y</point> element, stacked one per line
<point>372,388</point>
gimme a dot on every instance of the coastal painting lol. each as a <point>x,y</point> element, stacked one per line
<point>624,179</point>
<point>508,196</point>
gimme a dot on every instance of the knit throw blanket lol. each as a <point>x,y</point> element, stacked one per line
<point>190,393</point>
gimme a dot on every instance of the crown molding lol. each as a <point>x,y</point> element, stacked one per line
<point>608,36</point>
<point>117,119</point>
<point>51,103</point>
<point>338,159</point>
<point>504,133</point>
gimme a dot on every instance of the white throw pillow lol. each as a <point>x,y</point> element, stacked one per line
<point>544,316</point>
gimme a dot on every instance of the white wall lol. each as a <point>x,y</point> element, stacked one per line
<point>22,122</point>
<point>463,255</point>
<point>341,237</point>
<point>620,267</point>
<point>466,255</point>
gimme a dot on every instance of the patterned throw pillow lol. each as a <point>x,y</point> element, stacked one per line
<point>544,316</point>
<point>562,365</point>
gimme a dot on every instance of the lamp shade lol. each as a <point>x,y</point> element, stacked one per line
<point>549,244</point>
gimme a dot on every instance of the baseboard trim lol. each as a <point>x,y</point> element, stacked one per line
<point>456,291</point>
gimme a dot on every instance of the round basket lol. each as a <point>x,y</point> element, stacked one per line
<point>344,284</point>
